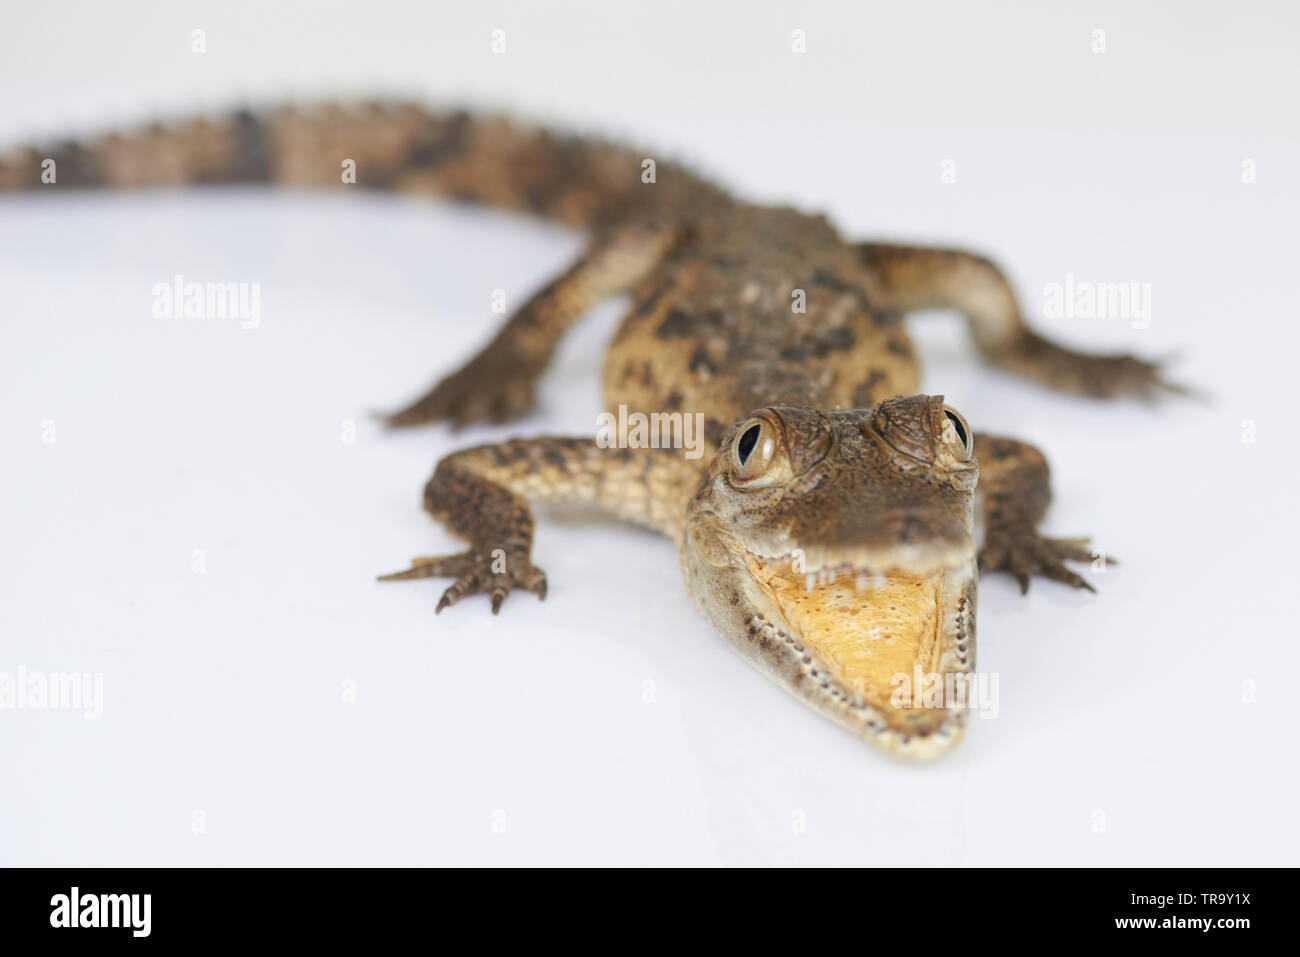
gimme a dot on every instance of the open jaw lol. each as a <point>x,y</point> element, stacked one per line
<point>882,637</point>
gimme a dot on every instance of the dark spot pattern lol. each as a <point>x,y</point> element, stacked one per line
<point>252,161</point>
<point>75,166</point>
<point>700,361</point>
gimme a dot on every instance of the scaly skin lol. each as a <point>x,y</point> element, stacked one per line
<point>828,532</point>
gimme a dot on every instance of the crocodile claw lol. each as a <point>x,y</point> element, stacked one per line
<point>493,574</point>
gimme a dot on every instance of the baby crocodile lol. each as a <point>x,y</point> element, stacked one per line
<point>828,533</point>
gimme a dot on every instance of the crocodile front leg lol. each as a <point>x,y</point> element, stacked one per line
<point>1015,490</point>
<point>497,385</point>
<point>483,494</point>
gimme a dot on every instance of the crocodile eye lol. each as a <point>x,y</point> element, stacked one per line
<point>752,451</point>
<point>957,432</point>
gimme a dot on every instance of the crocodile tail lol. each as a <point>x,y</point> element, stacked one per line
<point>399,147</point>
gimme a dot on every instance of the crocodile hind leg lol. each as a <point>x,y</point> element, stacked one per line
<point>917,277</point>
<point>497,385</point>
<point>1015,489</point>
<point>483,494</point>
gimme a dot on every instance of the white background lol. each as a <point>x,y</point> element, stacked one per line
<point>224,691</point>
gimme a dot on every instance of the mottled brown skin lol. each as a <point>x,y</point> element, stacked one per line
<point>738,311</point>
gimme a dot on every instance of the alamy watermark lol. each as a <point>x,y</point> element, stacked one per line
<point>654,430</point>
<point>1085,299</point>
<point>25,690</point>
<point>976,690</point>
<point>179,299</point>
<point>129,911</point>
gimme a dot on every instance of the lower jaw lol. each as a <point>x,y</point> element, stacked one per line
<point>878,637</point>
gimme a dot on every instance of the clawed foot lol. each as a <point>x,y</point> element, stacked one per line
<point>1102,377</point>
<point>492,387</point>
<point>1025,554</point>
<point>1118,376</point>
<point>477,572</point>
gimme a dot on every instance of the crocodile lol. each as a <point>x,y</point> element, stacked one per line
<point>827,525</point>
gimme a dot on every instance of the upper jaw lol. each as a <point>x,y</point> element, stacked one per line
<point>920,558</point>
<point>869,527</point>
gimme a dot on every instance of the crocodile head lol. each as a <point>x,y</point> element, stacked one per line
<point>835,551</point>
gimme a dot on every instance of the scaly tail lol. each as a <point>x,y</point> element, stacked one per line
<point>590,184</point>
<point>397,147</point>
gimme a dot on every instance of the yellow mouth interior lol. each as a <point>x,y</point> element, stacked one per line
<point>864,630</point>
